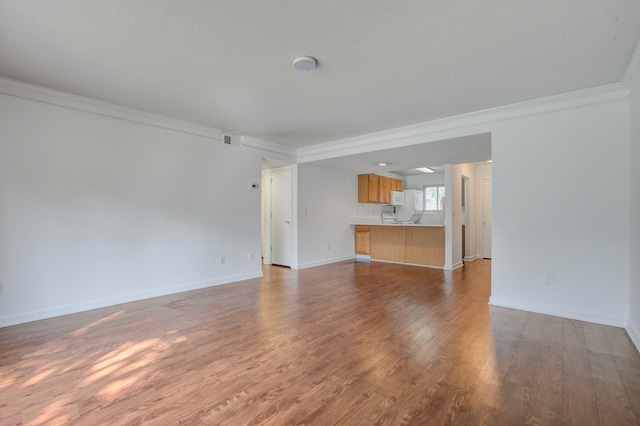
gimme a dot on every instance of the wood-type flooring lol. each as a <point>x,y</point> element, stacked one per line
<point>346,344</point>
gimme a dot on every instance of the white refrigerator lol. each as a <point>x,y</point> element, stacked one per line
<point>412,205</point>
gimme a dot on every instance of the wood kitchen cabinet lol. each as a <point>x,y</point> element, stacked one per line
<point>363,188</point>
<point>412,245</point>
<point>377,189</point>
<point>385,190</point>
<point>374,188</point>
<point>363,240</point>
<point>368,188</point>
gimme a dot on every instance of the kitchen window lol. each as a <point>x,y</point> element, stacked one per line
<point>433,198</point>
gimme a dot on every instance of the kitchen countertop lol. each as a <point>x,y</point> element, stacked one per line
<point>373,222</point>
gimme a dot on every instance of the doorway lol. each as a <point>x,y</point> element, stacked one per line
<point>278,222</point>
<point>466,214</point>
<point>486,218</point>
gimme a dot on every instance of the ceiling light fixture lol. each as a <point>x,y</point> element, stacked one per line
<point>382,164</point>
<point>304,63</point>
<point>424,169</point>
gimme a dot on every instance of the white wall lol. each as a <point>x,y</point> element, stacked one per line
<point>326,200</point>
<point>96,210</point>
<point>553,160</point>
<point>634,299</point>
<point>420,181</point>
<point>561,206</point>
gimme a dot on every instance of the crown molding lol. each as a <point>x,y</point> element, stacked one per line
<point>44,95</point>
<point>270,149</point>
<point>632,73</point>
<point>463,125</point>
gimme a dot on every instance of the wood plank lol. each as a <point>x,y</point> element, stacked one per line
<point>573,333</point>
<point>546,394</point>
<point>579,406</point>
<point>631,383</point>
<point>611,395</point>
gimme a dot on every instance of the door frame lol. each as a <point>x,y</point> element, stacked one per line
<point>267,224</point>
<point>482,218</point>
<point>466,218</point>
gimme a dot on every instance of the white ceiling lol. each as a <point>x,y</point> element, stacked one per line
<point>401,161</point>
<point>383,64</point>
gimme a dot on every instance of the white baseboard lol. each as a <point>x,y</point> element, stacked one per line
<point>456,265</point>
<point>634,334</point>
<point>57,311</point>
<point>323,262</point>
<point>470,258</point>
<point>408,264</point>
<point>554,311</point>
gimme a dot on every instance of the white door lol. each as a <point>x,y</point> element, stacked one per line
<point>281,216</point>
<point>486,218</point>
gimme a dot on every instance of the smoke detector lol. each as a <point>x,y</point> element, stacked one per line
<point>304,63</point>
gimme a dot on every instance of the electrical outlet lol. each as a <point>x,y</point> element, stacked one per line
<point>329,247</point>
<point>250,257</point>
<point>222,260</point>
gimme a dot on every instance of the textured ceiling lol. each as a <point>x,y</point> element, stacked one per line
<point>382,64</point>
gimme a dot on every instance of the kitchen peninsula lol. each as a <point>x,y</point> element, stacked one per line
<point>412,244</point>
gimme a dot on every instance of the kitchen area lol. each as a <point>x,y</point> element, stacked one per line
<point>402,232</point>
<point>359,190</point>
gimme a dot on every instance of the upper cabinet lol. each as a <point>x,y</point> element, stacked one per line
<point>374,189</point>
<point>385,189</point>
<point>368,188</point>
<point>377,189</point>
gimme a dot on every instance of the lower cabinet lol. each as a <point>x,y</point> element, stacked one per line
<point>416,245</point>
<point>363,240</point>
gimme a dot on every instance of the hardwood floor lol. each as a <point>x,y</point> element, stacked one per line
<point>347,343</point>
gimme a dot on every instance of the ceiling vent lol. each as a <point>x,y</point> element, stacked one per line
<point>230,140</point>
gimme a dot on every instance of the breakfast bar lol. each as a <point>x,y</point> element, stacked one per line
<point>412,244</point>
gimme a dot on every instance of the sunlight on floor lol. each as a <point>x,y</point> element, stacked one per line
<point>129,367</point>
<point>83,330</point>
